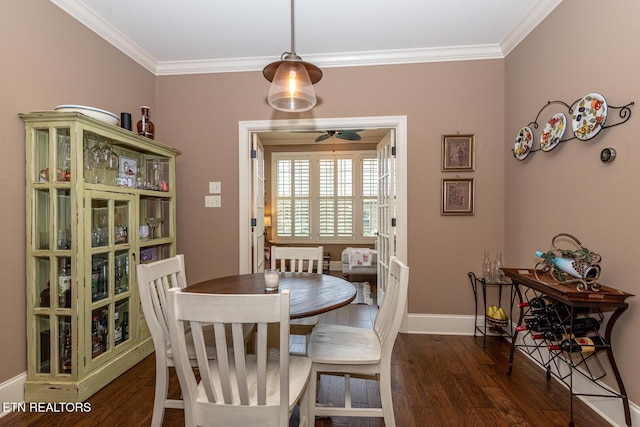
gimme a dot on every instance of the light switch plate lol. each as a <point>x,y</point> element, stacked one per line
<point>212,201</point>
<point>215,187</point>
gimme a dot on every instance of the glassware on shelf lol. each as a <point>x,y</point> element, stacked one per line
<point>100,234</point>
<point>121,273</point>
<point>86,163</point>
<point>111,164</point>
<point>498,274</point>
<point>98,162</point>
<point>99,278</point>
<point>64,158</point>
<point>153,226</point>
<point>104,162</point>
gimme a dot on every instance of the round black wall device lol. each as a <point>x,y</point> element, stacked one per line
<point>607,155</point>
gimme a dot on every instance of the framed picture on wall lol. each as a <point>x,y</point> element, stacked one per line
<point>458,196</point>
<point>458,153</point>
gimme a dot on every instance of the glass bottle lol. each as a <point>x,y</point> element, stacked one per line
<point>64,283</point>
<point>117,329</point>
<point>125,326</point>
<point>65,358</point>
<point>145,125</point>
<point>537,302</point>
<point>576,268</point>
<point>498,274</point>
<point>580,345</point>
<point>486,267</point>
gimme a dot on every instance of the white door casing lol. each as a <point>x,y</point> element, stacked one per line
<point>257,205</point>
<point>386,211</point>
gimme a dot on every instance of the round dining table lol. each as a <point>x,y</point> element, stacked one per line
<point>310,293</point>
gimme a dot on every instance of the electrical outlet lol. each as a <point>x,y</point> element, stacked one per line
<point>215,187</point>
<point>212,201</point>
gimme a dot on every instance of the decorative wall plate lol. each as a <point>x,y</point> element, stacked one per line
<point>589,116</point>
<point>524,141</point>
<point>553,132</point>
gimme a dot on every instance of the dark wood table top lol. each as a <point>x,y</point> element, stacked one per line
<point>311,294</point>
<point>567,293</point>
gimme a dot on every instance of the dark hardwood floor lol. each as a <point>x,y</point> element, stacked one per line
<point>437,381</point>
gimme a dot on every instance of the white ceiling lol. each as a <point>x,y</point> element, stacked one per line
<point>204,36</point>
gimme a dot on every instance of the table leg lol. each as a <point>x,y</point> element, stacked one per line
<point>607,339</point>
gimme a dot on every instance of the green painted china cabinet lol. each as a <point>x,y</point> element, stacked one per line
<point>99,200</point>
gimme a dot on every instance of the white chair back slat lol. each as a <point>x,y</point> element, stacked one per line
<point>261,363</point>
<point>389,317</point>
<point>297,259</point>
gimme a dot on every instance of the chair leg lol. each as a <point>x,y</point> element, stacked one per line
<point>162,388</point>
<point>303,405</point>
<point>312,397</point>
<point>306,344</point>
<point>385,397</point>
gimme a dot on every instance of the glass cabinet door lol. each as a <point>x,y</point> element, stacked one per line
<point>109,221</point>
<point>50,270</point>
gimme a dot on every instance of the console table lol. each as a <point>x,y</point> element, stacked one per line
<point>606,300</point>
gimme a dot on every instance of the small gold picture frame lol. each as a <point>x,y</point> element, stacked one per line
<point>458,153</point>
<point>458,196</point>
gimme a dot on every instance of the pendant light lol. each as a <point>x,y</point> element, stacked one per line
<point>292,80</point>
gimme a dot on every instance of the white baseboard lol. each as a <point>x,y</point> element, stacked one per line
<point>441,324</point>
<point>11,391</point>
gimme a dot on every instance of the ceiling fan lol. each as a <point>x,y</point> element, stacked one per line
<point>346,134</point>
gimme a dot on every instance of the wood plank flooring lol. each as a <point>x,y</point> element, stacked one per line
<point>437,381</point>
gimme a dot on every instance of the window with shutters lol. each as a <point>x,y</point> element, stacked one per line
<point>325,197</point>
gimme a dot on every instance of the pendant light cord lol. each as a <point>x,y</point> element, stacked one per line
<point>293,50</point>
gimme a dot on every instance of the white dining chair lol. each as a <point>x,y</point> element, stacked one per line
<point>154,279</point>
<point>301,260</point>
<point>350,351</point>
<point>237,388</point>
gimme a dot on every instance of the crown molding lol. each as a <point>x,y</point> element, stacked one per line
<point>528,23</point>
<point>108,32</point>
<point>343,59</point>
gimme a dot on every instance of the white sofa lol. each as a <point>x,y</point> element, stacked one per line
<point>348,269</point>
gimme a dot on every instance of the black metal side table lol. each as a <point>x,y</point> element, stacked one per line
<point>491,327</point>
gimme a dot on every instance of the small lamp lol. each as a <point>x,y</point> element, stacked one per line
<point>267,222</point>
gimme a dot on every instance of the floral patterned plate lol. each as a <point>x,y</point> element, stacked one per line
<point>553,131</point>
<point>589,116</point>
<point>524,141</point>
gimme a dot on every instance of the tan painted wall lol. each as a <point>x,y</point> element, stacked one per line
<point>200,115</point>
<point>48,59</point>
<point>586,46</point>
